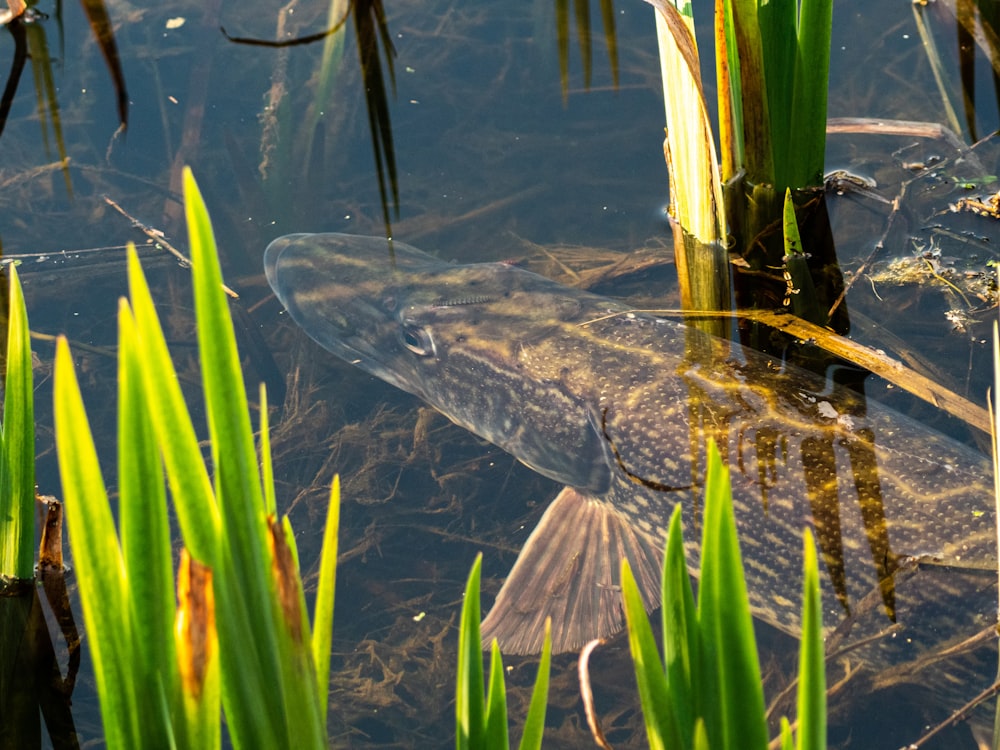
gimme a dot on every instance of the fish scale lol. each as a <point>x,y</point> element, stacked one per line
<point>618,406</point>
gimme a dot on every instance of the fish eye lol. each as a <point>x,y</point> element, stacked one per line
<point>417,340</point>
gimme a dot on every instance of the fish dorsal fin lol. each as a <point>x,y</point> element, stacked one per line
<point>570,570</point>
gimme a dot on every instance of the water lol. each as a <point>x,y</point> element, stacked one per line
<point>492,163</point>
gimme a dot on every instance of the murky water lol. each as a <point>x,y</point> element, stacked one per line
<point>493,162</point>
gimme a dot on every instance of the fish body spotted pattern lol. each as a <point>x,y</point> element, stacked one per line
<point>617,405</point>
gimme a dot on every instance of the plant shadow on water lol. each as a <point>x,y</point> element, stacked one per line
<point>498,168</point>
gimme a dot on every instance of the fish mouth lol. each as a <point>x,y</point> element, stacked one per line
<point>334,287</point>
<point>313,280</point>
<point>272,255</point>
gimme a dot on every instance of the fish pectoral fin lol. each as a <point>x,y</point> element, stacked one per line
<point>570,570</point>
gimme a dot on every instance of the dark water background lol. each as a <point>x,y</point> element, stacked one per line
<point>494,162</point>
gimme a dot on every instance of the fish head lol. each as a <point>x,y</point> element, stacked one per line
<point>453,335</point>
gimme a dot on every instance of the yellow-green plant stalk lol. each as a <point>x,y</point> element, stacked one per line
<point>17,446</point>
<point>695,187</point>
<point>696,203</point>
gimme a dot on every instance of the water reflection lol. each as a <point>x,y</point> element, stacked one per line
<point>28,31</point>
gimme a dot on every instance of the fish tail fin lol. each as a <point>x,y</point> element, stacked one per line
<point>570,570</point>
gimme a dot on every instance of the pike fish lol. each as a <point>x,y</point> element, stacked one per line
<point>617,405</point>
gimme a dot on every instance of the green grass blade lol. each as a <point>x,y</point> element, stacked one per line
<point>238,476</point>
<point>801,295</point>
<point>787,739</point>
<point>97,560</point>
<point>808,110</point>
<point>145,530</point>
<point>662,728</point>
<point>757,138</point>
<point>191,489</point>
<point>254,640</point>
<point>812,675</point>
<point>323,615</point>
<point>534,724</point>
<point>779,53</point>
<point>496,704</point>
<point>266,466</point>
<point>727,637</point>
<point>680,631</point>
<point>700,735</point>
<point>251,685</point>
<point>17,451</point>
<point>469,708</point>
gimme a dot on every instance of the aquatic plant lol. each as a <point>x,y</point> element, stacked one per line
<point>772,65</point>
<point>481,717</point>
<point>17,446</point>
<point>239,634</point>
<point>707,689</point>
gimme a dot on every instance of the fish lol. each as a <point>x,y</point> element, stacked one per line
<point>618,405</point>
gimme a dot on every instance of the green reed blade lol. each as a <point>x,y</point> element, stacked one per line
<point>610,37</point>
<point>995,414</point>
<point>191,489</point>
<point>730,95</point>
<point>808,109</point>
<point>17,449</point>
<point>662,725</point>
<point>681,644</point>
<point>496,704</point>
<point>266,466</point>
<point>734,704</point>
<point>104,33</point>
<point>196,644</point>
<point>323,612</point>
<point>47,101</point>
<point>306,728</point>
<point>268,682</point>
<point>786,737</point>
<point>581,14</point>
<point>801,295</point>
<point>811,709</point>
<point>97,560</point>
<point>145,529</point>
<point>779,54</point>
<point>470,718</point>
<point>333,53</point>
<point>237,478</point>
<point>562,45</point>
<point>534,724</point>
